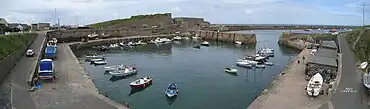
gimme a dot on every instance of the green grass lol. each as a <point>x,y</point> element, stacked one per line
<point>9,44</point>
<point>119,21</point>
<point>286,35</point>
<point>362,48</point>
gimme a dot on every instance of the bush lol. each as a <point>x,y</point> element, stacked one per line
<point>9,44</point>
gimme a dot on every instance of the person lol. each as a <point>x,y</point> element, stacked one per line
<point>303,58</point>
<point>298,61</point>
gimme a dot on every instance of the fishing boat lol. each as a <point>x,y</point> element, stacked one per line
<point>205,43</point>
<point>231,70</point>
<point>99,62</point>
<point>142,82</point>
<point>238,42</point>
<point>172,90</point>
<point>314,85</point>
<point>365,80</point>
<point>114,67</point>
<point>124,72</point>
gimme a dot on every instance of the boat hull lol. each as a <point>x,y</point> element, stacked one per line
<point>142,85</point>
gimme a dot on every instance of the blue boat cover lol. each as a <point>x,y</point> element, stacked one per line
<point>172,86</point>
<point>46,65</point>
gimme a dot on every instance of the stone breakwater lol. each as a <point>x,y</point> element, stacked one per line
<point>227,37</point>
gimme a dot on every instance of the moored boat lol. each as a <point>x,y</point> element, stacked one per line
<point>142,82</point>
<point>124,72</point>
<point>177,38</point>
<point>244,64</point>
<point>114,67</point>
<point>172,90</point>
<point>260,65</point>
<point>314,85</point>
<point>238,42</point>
<point>99,62</point>
<point>205,43</point>
<point>231,70</point>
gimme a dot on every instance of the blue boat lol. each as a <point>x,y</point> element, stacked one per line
<point>172,90</point>
<point>46,69</point>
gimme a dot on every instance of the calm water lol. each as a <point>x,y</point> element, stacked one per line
<point>199,73</point>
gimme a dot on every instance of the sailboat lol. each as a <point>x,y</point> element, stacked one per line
<point>314,85</point>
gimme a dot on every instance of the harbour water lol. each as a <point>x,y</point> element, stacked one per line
<point>203,84</point>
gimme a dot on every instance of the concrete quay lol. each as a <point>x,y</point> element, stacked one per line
<point>287,90</point>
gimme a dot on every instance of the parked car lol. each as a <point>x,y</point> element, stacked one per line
<point>30,53</point>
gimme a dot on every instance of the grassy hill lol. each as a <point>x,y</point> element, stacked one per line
<point>119,21</point>
<point>9,44</point>
<point>362,47</point>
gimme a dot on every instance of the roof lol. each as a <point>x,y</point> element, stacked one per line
<point>329,44</point>
<point>322,60</point>
<point>325,52</point>
<point>3,21</point>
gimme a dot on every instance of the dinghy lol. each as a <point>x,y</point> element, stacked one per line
<point>231,70</point>
<point>238,42</point>
<point>99,62</point>
<point>314,85</point>
<point>172,90</point>
<point>142,82</point>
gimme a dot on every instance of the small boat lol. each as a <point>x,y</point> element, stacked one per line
<point>365,80</point>
<point>314,85</point>
<point>165,40</point>
<point>186,38</point>
<point>197,46</point>
<point>172,90</point>
<point>114,67</point>
<point>363,65</point>
<point>244,64</point>
<point>269,63</point>
<point>177,38</point>
<point>140,43</point>
<point>131,44</point>
<point>96,59</point>
<point>260,65</point>
<point>122,44</point>
<point>194,38</point>
<point>238,42</point>
<point>142,82</point>
<point>125,72</point>
<point>99,62</point>
<point>205,43</point>
<point>231,70</point>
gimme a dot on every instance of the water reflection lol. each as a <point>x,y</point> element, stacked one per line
<point>116,78</point>
<point>170,100</point>
<point>136,90</point>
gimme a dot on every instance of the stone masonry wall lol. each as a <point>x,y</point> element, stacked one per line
<point>227,37</point>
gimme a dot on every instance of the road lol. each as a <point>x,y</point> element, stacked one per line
<point>349,93</point>
<point>18,76</point>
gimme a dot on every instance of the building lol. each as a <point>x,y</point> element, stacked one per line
<point>189,23</point>
<point>41,26</point>
<point>22,27</point>
<point>3,21</point>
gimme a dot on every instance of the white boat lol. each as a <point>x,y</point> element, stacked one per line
<point>231,70</point>
<point>363,65</point>
<point>177,38</point>
<point>259,58</point>
<point>113,45</point>
<point>244,64</point>
<point>186,38</point>
<point>238,42</point>
<point>248,61</point>
<point>314,85</point>
<point>205,43</point>
<point>165,40</point>
<point>140,43</point>
<point>125,72</point>
<point>269,63</point>
<point>99,62</point>
<point>122,43</point>
<point>131,44</point>
<point>194,38</point>
<point>260,65</point>
<point>114,67</point>
<point>365,80</point>
<point>94,35</point>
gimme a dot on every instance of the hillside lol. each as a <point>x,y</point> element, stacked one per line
<point>362,47</point>
<point>9,44</point>
<point>107,24</point>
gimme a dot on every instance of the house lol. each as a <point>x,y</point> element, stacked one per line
<point>22,27</point>
<point>3,21</point>
<point>40,26</point>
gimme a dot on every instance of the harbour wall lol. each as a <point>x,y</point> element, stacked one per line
<point>226,27</point>
<point>79,34</point>
<point>7,64</point>
<point>227,37</point>
<point>79,45</point>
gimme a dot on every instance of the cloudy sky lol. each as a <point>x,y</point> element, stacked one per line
<point>342,12</point>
